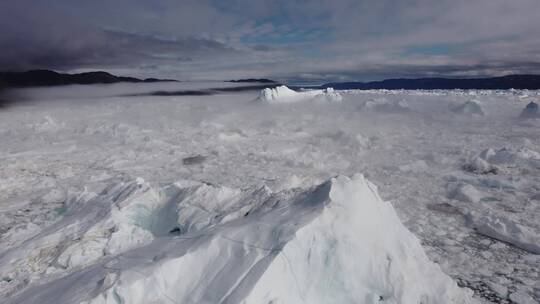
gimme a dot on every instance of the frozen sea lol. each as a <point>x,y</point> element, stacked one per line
<point>460,168</point>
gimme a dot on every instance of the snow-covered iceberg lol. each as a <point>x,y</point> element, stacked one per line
<point>470,107</point>
<point>283,94</point>
<point>530,111</point>
<point>192,242</point>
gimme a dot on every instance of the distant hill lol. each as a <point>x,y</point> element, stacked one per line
<point>529,82</point>
<point>40,78</point>
<point>259,80</point>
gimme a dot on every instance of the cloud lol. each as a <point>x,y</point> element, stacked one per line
<point>42,37</point>
<point>296,39</point>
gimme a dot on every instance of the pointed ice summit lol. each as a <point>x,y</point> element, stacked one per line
<point>337,242</point>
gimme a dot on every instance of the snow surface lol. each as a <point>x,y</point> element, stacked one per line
<point>100,191</point>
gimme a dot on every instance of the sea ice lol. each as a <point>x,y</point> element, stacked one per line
<point>76,225</point>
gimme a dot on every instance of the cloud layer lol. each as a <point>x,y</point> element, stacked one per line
<point>314,40</point>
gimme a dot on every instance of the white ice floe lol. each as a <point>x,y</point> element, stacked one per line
<point>520,297</point>
<point>334,243</point>
<point>470,107</point>
<point>491,161</point>
<point>510,155</point>
<point>506,230</point>
<point>415,167</point>
<point>283,94</point>
<point>465,193</point>
<point>385,105</point>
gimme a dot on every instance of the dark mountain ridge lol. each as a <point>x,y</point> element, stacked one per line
<point>40,78</point>
<point>529,82</point>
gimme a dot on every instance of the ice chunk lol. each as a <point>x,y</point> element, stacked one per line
<point>415,167</point>
<point>481,166</point>
<point>530,111</point>
<point>506,230</point>
<point>520,297</point>
<point>281,93</point>
<point>193,160</point>
<point>491,161</point>
<point>512,155</point>
<point>466,193</point>
<point>500,290</point>
<point>471,107</point>
<point>56,195</point>
<point>387,106</point>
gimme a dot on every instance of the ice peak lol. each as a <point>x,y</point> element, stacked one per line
<point>337,242</point>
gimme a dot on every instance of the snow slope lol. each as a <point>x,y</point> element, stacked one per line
<point>336,242</point>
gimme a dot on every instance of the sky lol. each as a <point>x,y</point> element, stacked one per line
<point>288,40</point>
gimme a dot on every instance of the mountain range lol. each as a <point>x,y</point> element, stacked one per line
<point>40,78</point>
<point>51,78</point>
<point>529,82</point>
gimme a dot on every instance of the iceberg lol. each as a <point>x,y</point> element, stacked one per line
<point>471,107</point>
<point>283,94</point>
<point>337,242</point>
<point>530,111</point>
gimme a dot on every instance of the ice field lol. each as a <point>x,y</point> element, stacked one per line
<point>269,197</point>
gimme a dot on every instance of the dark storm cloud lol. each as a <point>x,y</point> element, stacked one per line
<point>317,39</point>
<point>36,36</point>
<point>105,48</point>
